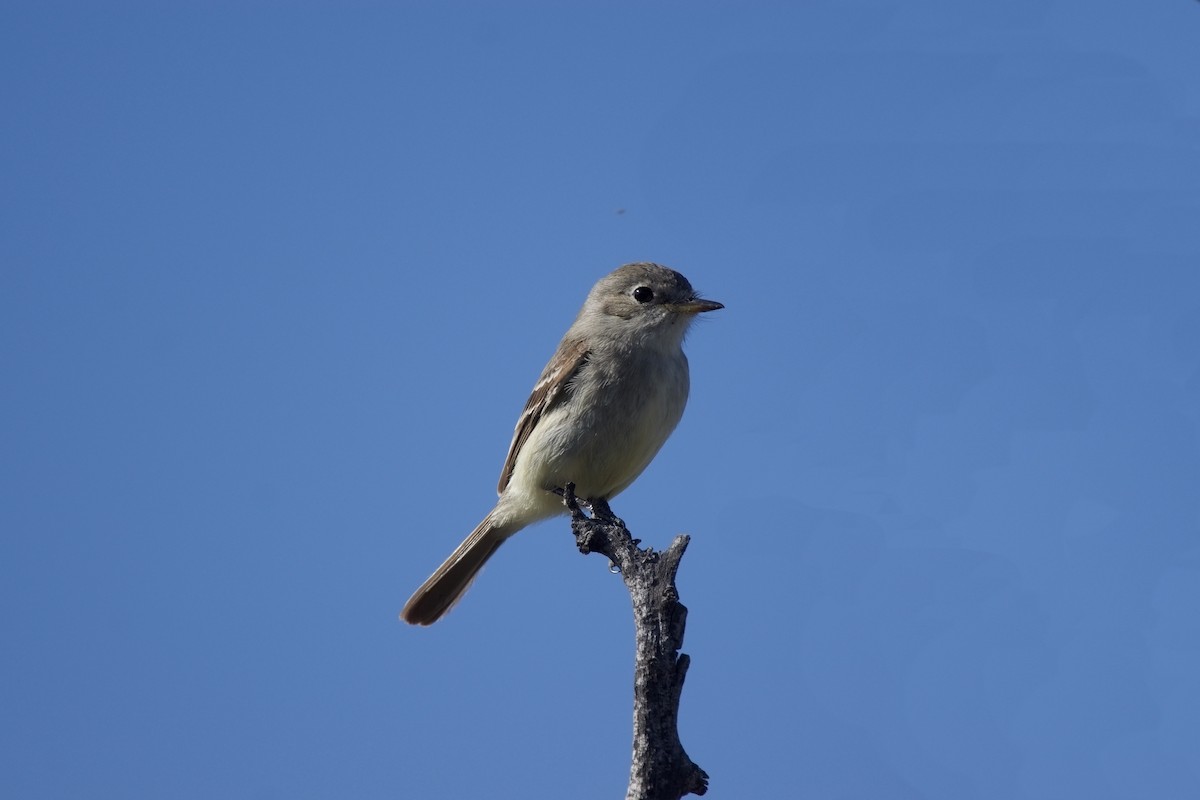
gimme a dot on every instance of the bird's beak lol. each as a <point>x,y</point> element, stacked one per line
<point>697,306</point>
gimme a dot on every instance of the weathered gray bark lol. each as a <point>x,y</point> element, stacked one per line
<point>661,769</point>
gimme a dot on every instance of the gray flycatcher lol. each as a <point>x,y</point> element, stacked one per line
<point>604,405</point>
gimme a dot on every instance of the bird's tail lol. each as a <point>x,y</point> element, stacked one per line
<point>452,579</point>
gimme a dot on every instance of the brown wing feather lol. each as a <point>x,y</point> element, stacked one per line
<point>547,393</point>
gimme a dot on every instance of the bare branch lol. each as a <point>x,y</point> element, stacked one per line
<point>661,768</point>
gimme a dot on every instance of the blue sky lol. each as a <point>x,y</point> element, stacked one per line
<point>276,281</point>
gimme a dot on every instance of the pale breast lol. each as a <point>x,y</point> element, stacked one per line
<point>610,428</point>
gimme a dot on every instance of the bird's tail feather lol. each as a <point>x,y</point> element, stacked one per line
<point>452,579</point>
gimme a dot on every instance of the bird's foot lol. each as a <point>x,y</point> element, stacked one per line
<point>602,512</point>
<point>597,505</point>
<point>567,493</point>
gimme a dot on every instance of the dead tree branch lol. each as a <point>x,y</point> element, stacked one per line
<point>661,768</point>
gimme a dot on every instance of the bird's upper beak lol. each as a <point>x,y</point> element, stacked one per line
<point>697,306</point>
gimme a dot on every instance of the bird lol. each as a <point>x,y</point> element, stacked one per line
<point>604,405</point>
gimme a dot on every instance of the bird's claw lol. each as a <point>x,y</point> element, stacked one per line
<point>598,505</point>
<point>567,493</point>
<point>602,512</point>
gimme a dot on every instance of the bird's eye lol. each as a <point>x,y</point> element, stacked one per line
<point>643,294</point>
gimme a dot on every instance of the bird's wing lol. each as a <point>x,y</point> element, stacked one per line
<point>551,389</point>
